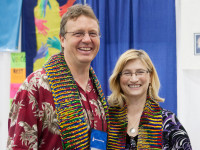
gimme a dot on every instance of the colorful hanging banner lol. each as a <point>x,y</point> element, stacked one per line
<point>17,72</point>
<point>40,28</point>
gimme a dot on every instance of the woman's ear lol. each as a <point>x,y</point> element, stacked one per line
<point>150,78</point>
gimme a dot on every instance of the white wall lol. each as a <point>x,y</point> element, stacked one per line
<point>5,66</point>
<point>4,97</point>
<point>188,68</point>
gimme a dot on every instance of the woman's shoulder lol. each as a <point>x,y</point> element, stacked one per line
<point>117,110</point>
<point>166,112</point>
<point>169,118</point>
<point>174,134</point>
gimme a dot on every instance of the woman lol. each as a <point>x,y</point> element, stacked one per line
<point>136,119</point>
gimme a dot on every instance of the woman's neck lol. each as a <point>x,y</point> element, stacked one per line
<point>136,105</point>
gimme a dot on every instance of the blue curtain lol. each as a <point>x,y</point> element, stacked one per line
<point>141,24</point>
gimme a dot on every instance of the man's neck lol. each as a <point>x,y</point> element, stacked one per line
<point>80,74</point>
<point>82,79</point>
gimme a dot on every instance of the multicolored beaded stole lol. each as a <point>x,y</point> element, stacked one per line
<point>70,116</point>
<point>117,128</point>
<point>150,128</point>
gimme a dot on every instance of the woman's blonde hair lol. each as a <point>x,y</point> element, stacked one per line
<point>117,98</point>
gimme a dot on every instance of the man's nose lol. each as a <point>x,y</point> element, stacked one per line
<point>86,38</point>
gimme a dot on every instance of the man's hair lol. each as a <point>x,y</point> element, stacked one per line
<point>74,12</point>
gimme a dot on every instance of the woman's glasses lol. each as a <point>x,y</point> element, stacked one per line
<point>138,73</point>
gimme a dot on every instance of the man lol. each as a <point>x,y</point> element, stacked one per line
<point>57,106</point>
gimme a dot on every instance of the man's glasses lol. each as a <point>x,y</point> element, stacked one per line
<point>80,34</point>
<point>138,73</point>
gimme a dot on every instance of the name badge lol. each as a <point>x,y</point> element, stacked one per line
<point>98,140</point>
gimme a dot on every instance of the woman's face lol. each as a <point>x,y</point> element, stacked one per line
<point>135,79</point>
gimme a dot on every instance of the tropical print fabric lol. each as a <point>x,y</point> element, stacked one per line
<point>32,118</point>
<point>93,108</point>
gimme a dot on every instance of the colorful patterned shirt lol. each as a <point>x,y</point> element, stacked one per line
<point>32,118</point>
<point>94,114</point>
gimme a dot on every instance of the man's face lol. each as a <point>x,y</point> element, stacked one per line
<point>81,41</point>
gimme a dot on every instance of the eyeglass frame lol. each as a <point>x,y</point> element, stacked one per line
<point>130,74</point>
<point>82,34</point>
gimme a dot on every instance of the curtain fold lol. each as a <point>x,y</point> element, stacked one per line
<point>141,24</point>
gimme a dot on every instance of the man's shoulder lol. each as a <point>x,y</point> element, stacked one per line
<point>37,72</point>
<point>37,75</point>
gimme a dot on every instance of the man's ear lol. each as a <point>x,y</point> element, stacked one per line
<point>62,40</point>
